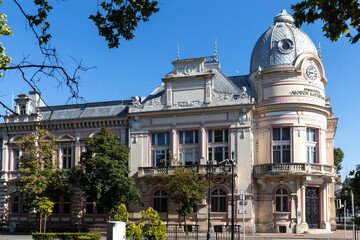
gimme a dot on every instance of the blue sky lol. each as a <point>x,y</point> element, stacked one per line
<point>137,66</point>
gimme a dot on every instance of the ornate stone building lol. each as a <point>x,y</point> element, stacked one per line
<point>276,120</point>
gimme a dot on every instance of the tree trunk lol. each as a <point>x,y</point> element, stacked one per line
<point>40,221</point>
<point>45,223</point>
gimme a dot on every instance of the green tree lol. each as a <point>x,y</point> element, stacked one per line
<point>338,17</point>
<point>43,207</point>
<point>184,191</point>
<point>338,157</point>
<point>355,184</point>
<point>40,174</point>
<point>115,19</point>
<point>4,31</point>
<point>103,172</point>
<point>151,225</point>
<point>121,214</point>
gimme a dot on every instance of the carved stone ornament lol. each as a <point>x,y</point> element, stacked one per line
<point>221,97</point>
<point>188,69</point>
<point>187,104</point>
<point>135,123</point>
<point>262,183</point>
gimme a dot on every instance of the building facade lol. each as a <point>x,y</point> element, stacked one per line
<point>275,122</point>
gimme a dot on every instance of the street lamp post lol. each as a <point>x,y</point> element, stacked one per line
<point>201,179</point>
<point>232,161</point>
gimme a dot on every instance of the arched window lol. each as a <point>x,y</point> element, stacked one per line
<point>282,200</point>
<point>160,201</point>
<point>218,201</point>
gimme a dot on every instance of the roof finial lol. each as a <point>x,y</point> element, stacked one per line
<point>178,52</point>
<point>35,85</point>
<point>215,50</point>
<point>319,51</point>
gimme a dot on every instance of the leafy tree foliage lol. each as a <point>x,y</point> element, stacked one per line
<point>4,31</point>
<point>119,18</point>
<point>184,191</point>
<point>338,17</point>
<point>151,225</point>
<point>103,172</point>
<point>338,157</point>
<point>44,207</point>
<point>41,175</point>
<point>355,184</point>
<point>121,214</point>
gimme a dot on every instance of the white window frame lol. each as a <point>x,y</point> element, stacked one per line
<point>66,157</point>
<point>212,145</point>
<point>281,145</point>
<point>186,149</point>
<point>311,145</point>
<point>15,158</point>
<point>157,149</point>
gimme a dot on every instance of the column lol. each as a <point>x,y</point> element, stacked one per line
<point>77,149</point>
<point>303,204</point>
<point>174,146</point>
<point>203,142</point>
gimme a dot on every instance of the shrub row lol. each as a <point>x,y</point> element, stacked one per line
<point>66,236</point>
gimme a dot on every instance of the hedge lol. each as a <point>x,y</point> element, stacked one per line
<point>66,236</point>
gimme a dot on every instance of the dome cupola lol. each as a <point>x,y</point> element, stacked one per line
<point>280,45</point>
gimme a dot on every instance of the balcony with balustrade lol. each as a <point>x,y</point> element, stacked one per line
<point>294,169</point>
<point>158,172</point>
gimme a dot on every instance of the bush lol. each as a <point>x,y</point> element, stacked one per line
<point>66,236</point>
<point>151,225</point>
<point>133,231</point>
<point>121,214</point>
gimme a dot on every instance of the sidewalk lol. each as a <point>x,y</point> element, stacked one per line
<point>339,234</point>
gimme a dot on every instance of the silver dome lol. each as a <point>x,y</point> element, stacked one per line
<point>280,45</point>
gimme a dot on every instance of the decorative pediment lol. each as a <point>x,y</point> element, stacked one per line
<point>66,137</point>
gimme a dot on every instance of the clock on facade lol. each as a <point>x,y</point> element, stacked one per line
<point>311,72</point>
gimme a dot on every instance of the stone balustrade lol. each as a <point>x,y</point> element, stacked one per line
<point>294,168</point>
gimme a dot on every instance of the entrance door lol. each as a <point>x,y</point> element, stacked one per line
<point>312,207</point>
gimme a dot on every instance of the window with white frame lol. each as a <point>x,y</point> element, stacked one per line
<point>66,157</point>
<point>281,145</point>
<point>281,200</point>
<point>22,110</point>
<point>160,201</point>
<point>188,142</point>
<point>218,145</point>
<point>160,147</point>
<point>218,200</point>
<point>16,156</point>
<point>311,145</point>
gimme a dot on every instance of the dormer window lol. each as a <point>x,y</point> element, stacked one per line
<point>22,110</point>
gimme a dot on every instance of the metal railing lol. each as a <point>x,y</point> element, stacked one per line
<point>174,231</point>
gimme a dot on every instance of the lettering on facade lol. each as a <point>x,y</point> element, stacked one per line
<point>308,92</point>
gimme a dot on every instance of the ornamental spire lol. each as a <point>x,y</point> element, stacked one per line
<point>178,52</point>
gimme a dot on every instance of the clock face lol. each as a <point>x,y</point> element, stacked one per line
<point>311,72</point>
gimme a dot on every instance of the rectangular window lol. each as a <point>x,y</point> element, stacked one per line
<point>218,145</point>
<point>311,145</point>
<point>16,156</point>
<point>160,149</point>
<point>66,158</point>
<point>16,205</point>
<point>188,141</point>
<point>1,144</point>
<point>281,151</point>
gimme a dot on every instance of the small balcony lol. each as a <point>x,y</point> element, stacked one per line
<point>151,172</point>
<point>294,169</point>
